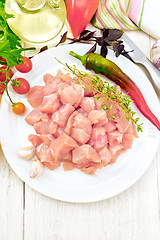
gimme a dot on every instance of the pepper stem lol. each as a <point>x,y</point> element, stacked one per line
<point>79,57</point>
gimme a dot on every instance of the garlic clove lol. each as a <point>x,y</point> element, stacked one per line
<point>26,153</point>
<point>155,54</point>
<point>36,168</point>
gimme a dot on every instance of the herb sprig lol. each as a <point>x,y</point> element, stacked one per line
<point>103,91</point>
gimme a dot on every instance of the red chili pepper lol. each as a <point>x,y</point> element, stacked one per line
<point>79,14</point>
<point>99,64</point>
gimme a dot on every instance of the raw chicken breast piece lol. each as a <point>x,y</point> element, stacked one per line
<point>42,127</point>
<point>52,127</point>
<point>35,96</point>
<point>70,122</point>
<point>114,138</point>
<point>59,131</point>
<point>35,140</point>
<point>62,114</point>
<point>72,94</point>
<point>49,78</point>
<point>127,141</point>
<point>35,116</point>
<point>87,104</point>
<point>98,138</point>
<point>61,146</point>
<point>44,155</point>
<point>47,139</point>
<point>80,135</point>
<point>50,103</point>
<point>83,123</point>
<point>105,155</point>
<point>84,154</point>
<point>110,126</point>
<point>97,116</point>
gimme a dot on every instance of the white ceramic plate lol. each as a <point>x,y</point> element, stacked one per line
<point>75,186</point>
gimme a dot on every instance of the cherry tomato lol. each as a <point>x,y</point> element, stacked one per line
<point>18,108</point>
<point>3,74</point>
<point>3,60</point>
<point>26,66</point>
<point>2,88</point>
<point>23,87</point>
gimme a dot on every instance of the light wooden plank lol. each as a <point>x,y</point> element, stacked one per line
<point>131,215</point>
<point>11,203</point>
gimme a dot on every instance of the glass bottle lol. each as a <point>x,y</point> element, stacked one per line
<point>36,21</point>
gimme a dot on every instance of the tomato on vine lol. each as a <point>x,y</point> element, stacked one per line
<point>20,85</point>
<point>25,66</point>
<point>3,73</point>
<point>2,88</point>
<point>18,108</point>
<point>3,60</point>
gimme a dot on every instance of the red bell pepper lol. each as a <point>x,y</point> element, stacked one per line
<point>79,14</point>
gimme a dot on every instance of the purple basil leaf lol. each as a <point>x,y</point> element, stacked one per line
<point>125,54</point>
<point>114,34</point>
<point>43,49</point>
<point>63,39</point>
<point>104,50</point>
<point>105,33</point>
<point>88,37</point>
<point>92,50</point>
<point>116,49</point>
<point>99,40</point>
<point>84,33</point>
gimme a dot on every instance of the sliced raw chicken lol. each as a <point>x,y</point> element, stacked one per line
<point>68,165</point>
<point>42,127</point>
<point>70,122</point>
<point>98,138</point>
<point>50,103</point>
<point>49,78</point>
<point>67,157</point>
<point>61,146</point>
<point>127,140</point>
<point>105,155</point>
<point>50,88</point>
<point>35,140</point>
<point>47,139</point>
<point>52,165</point>
<point>84,154</point>
<point>52,127</point>
<point>114,138</point>
<point>110,126</point>
<point>87,104</point>
<point>62,114</point>
<point>44,154</point>
<point>35,96</point>
<point>72,94</point>
<point>83,123</point>
<point>80,135</point>
<point>72,127</point>
<point>97,116</point>
<point>59,131</point>
<point>35,116</point>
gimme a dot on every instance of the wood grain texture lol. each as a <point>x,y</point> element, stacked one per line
<point>131,215</point>
<point>11,203</point>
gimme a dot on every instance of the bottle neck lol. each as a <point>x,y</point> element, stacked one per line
<point>30,5</point>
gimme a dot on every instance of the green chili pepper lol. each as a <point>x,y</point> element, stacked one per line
<point>99,64</point>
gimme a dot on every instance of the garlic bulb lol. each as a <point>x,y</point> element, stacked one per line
<point>26,153</point>
<point>155,54</point>
<point>36,168</point>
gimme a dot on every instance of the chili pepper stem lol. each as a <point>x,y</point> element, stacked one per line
<point>79,57</point>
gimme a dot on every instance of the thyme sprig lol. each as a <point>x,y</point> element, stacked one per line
<point>104,94</point>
